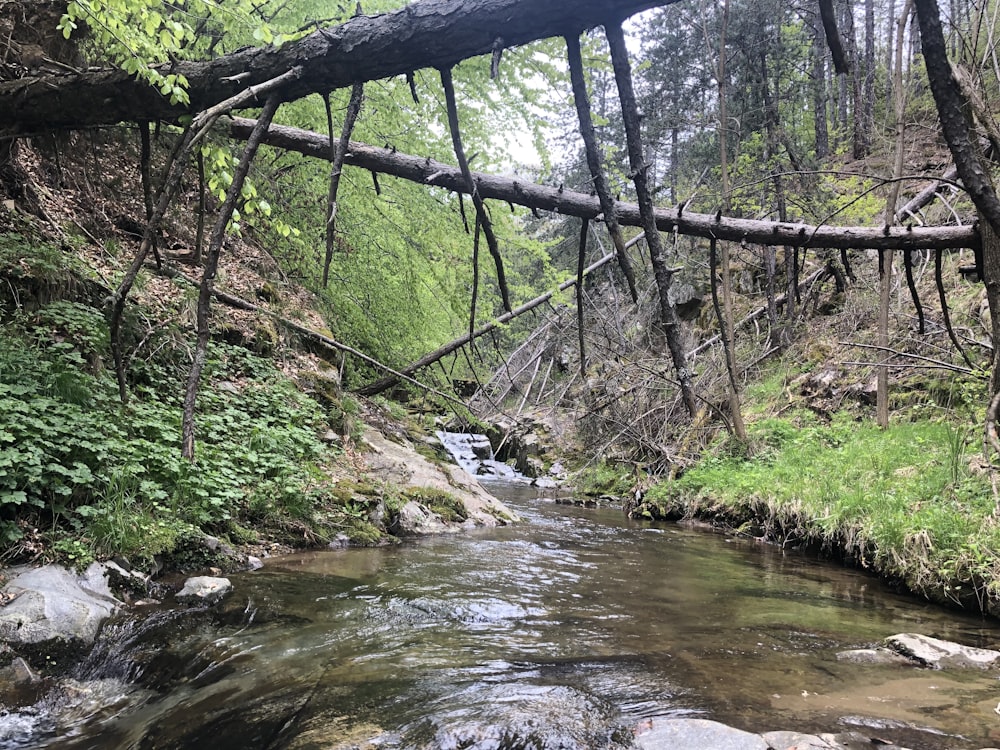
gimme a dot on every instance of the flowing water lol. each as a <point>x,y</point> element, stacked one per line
<point>565,631</point>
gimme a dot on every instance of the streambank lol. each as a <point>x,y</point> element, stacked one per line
<point>907,503</point>
<point>50,615</point>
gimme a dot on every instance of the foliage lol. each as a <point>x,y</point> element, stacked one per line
<point>604,479</point>
<point>135,35</point>
<point>111,477</point>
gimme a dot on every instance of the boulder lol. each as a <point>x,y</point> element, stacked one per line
<point>204,589</point>
<point>415,519</point>
<point>54,603</point>
<point>696,734</point>
<point>481,447</point>
<point>400,464</point>
<point>938,654</point>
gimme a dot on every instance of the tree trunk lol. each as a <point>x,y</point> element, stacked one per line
<point>725,311</point>
<point>821,130</point>
<point>868,89</point>
<point>954,111</point>
<point>640,178</point>
<point>429,172</point>
<point>428,33</point>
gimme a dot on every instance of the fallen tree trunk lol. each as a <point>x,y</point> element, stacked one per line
<point>424,34</point>
<point>426,171</point>
<point>373,389</point>
<point>306,333</point>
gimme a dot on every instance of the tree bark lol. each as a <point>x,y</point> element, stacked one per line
<point>829,19</point>
<point>594,161</point>
<point>426,171</point>
<point>640,178</point>
<point>428,33</point>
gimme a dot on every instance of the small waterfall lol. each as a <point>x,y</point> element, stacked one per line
<point>474,453</point>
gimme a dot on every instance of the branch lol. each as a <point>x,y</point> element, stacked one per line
<point>594,160</point>
<point>428,359</point>
<point>426,171</point>
<point>338,153</point>
<point>482,217</point>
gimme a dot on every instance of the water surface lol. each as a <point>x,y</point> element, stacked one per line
<point>565,631</point>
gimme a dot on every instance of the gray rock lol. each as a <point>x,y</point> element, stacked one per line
<point>339,542</point>
<point>795,741</point>
<point>53,603</point>
<point>697,734</point>
<point>938,654</point>
<point>206,589</point>
<point>872,656</point>
<point>254,563</point>
<point>545,483</point>
<point>481,447</point>
<point>415,519</point>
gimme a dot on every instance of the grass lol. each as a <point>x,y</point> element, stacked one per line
<point>903,502</point>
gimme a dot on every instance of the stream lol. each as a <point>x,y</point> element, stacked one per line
<point>565,631</point>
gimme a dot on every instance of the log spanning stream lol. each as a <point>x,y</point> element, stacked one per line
<point>565,631</point>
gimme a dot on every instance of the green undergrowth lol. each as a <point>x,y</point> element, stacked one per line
<point>906,502</point>
<point>83,475</point>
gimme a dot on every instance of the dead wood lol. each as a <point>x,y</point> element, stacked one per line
<point>594,161</point>
<point>482,217</point>
<point>337,157</point>
<point>208,277</point>
<point>424,34</point>
<point>640,178</point>
<point>428,359</point>
<point>427,171</point>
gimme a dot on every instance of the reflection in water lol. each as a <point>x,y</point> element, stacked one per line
<point>561,632</point>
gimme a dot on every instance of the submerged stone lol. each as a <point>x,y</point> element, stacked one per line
<point>795,741</point>
<point>873,656</point>
<point>697,734</point>
<point>938,654</point>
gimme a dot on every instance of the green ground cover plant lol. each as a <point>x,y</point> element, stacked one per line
<point>94,477</point>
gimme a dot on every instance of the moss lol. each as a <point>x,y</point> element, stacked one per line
<point>364,534</point>
<point>268,292</point>
<point>265,339</point>
<point>347,490</point>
